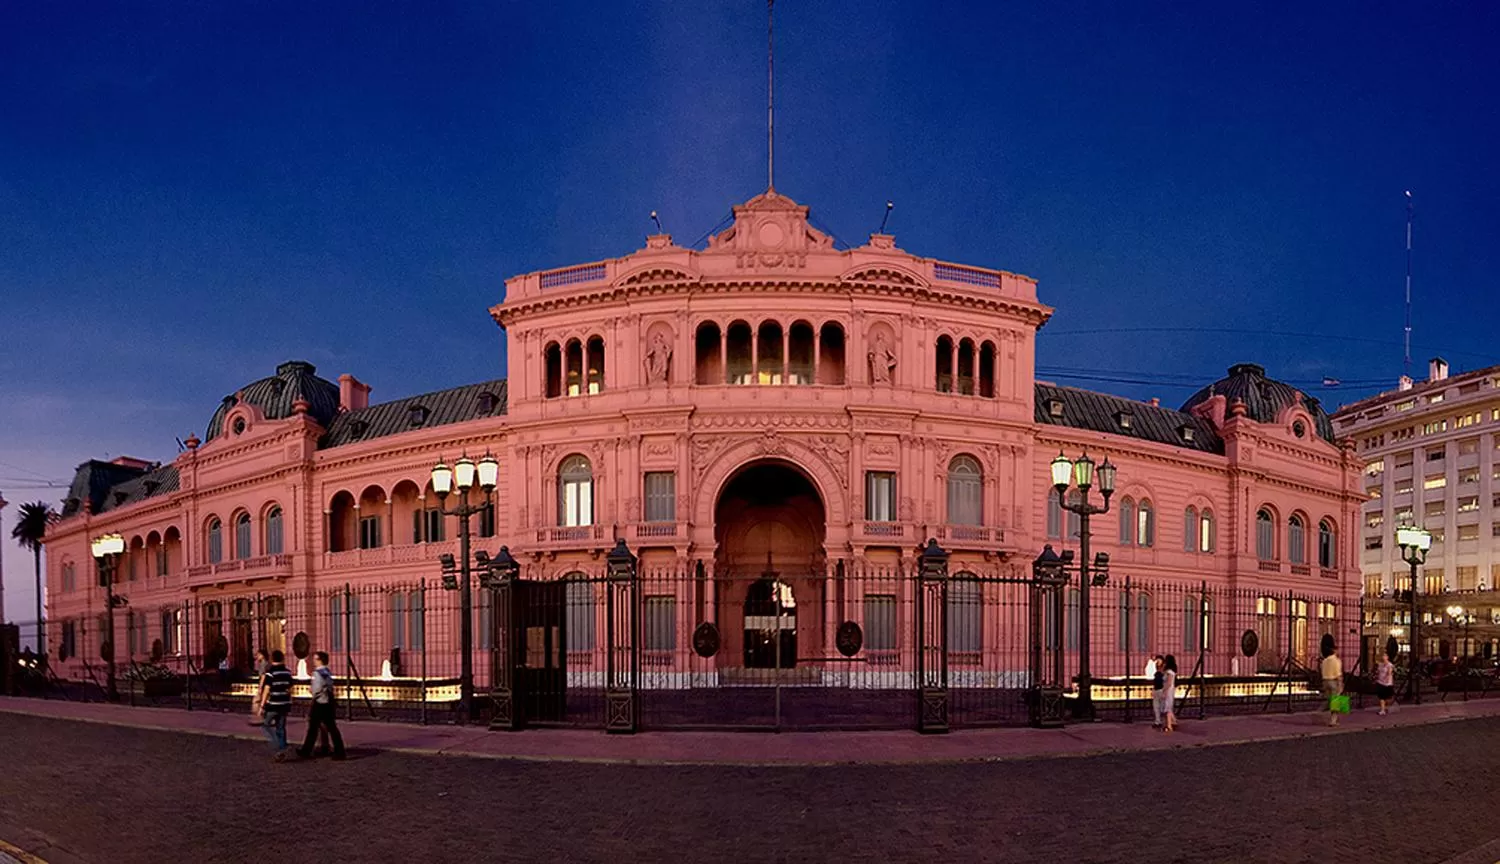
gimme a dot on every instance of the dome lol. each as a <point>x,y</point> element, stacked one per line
<point>274,396</point>
<point>1264,398</point>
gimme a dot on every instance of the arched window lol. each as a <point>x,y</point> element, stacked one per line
<point>1190,529</point>
<point>581,621</point>
<point>1143,622</point>
<point>965,491</point>
<point>987,370</point>
<point>1197,623</point>
<point>965,614</point>
<point>738,353</point>
<point>944,360</point>
<point>799,361</point>
<point>966,367</point>
<point>769,359</point>
<point>1265,536</point>
<point>1206,540</point>
<point>215,541</point>
<point>1145,524</point>
<point>575,493</point>
<point>274,532</point>
<point>830,356</point>
<point>242,536</point>
<point>1296,540</point>
<point>1327,545</point>
<point>573,362</point>
<point>1127,522</point>
<point>595,357</point>
<point>552,359</point>
<point>708,362</point>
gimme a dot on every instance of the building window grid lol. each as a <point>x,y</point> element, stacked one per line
<point>661,496</point>
<point>880,496</point>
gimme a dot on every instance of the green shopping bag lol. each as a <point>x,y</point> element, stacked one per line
<point>1339,703</point>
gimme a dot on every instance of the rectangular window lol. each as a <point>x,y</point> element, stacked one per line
<point>576,503</point>
<point>1437,534</point>
<point>1403,487</point>
<point>1468,532</point>
<point>1404,515</point>
<point>880,496</point>
<point>1468,504</point>
<point>416,605</point>
<point>1376,467</point>
<point>433,529</point>
<point>161,561</point>
<point>369,532</point>
<point>1054,515</point>
<point>1436,454</point>
<point>1437,482</point>
<point>171,631</point>
<point>397,604</point>
<point>336,622</point>
<point>353,622</point>
<point>880,622</point>
<point>484,621</point>
<point>966,615</point>
<point>661,496</point>
<point>1373,492</point>
<point>1374,542</point>
<point>1468,578</point>
<point>661,623</point>
<point>580,623</point>
<point>1432,581</point>
<point>70,638</point>
<point>1373,586</point>
<point>1435,399</point>
<point>1434,510</point>
<point>1407,405</point>
<point>1468,446</point>
<point>487,520</point>
<point>1468,475</point>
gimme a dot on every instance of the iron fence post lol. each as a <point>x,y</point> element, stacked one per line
<point>622,712</point>
<point>932,684</point>
<point>348,647</point>
<point>1126,637</point>
<point>1203,631</point>
<point>1291,637</point>
<point>187,653</point>
<point>422,599</point>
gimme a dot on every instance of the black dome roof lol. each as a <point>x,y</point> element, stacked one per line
<point>1264,397</point>
<point>294,379</point>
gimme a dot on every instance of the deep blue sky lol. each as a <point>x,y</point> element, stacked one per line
<point>193,192</point>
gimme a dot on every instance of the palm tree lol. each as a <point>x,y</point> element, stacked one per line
<point>31,527</point>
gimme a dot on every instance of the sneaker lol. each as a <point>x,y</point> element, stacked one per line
<point>280,755</point>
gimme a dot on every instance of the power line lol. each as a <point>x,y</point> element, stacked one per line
<point>1239,331</point>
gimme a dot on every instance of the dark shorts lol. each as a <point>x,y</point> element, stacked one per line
<point>1385,691</point>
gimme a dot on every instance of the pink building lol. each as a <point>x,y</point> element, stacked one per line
<point>774,427</point>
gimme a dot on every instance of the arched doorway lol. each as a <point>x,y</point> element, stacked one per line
<point>769,527</point>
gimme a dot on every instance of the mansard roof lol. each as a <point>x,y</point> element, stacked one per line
<point>439,408</point>
<point>1264,397</point>
<point>276,395</point>
<point>1101,412</point>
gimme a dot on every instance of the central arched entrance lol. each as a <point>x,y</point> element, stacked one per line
<point>769,527</point>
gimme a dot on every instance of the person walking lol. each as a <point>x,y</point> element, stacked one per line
<point>1332,672</point>
<point>324,710</point>
<point>1169,693</point>
<point>1157,674</point>
<point>262,663</point>
<point>1385,682</point>
<point>274,701</point>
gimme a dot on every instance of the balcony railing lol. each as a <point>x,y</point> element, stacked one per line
<point>884,529</point>
<point>657,530</point>
<point>1301,570</point>
<point>260,567</point>
<point>410,553</point>
<point>1269,566</point>
<point>962,535</point>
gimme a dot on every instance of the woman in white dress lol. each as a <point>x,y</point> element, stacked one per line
<point>1169,694</point>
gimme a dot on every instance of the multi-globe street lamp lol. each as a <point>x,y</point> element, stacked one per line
<point>1080,473</point>
<point>107,551</point>
<point>1458,615</point>
<point>463,477</point>
<point>1414,543</point>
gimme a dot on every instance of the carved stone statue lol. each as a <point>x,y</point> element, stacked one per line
<point>658,359</point>
<point>882,360</point>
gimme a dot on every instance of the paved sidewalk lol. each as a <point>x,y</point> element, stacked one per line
<point>787,748</point>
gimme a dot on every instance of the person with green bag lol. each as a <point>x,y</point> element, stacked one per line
<point>1333,683</point>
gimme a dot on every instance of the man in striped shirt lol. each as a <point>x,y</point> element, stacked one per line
<point>274,702</point>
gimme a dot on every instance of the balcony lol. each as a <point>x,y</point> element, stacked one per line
<point>1268,566</point>
<point>1301,570</point>
<point>381,556</point>
<point>655,532</point>
<point>593,538</point>
<point>1328,573</point>
<point>968,536</point>
<point>880,532</point>
<point>260,567</point>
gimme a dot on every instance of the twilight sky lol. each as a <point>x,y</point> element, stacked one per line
<point>191,193</point>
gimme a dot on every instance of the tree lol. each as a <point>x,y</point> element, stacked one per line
<point>31,528</point>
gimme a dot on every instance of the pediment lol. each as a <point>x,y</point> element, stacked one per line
<point>770,230</point>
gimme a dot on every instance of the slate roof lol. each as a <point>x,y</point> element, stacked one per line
<point>161,480</point>
<point>1264,397</point>
<point>92,483</point>
<point>274,396</point>
<point>442,408</point>
<point>1099,412</point>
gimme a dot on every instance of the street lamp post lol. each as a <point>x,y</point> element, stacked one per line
<point>464,476</point>
<point>107,550</point>
<point>1414,543</point>
<point>1081,474</point>
<point>1458,615</point>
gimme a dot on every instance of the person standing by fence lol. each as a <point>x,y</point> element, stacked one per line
<point>1332,672</point>
<point>1169,693</point>
<point>324,710</point>
<point>1157,674</point>
<point>1385,682</point>
<point>274,702</point>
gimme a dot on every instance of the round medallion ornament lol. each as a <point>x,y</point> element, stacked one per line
<point>849,638</point>
<point>300,646</point>
<point>156,650</point>
<point>1249,643</point>
<point>1299,428</point>
<point>771,235</point>
<point>706,639</point>
<point>106,651</point>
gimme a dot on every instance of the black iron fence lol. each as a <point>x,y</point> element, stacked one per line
<point>849,648</point>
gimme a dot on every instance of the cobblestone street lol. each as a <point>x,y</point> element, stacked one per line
<point>123,794</point>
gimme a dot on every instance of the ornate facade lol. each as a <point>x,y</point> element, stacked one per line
<point>766,404</point>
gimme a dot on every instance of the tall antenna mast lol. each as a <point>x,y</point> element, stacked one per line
<point>1408,281</point>
<point>770,98</point>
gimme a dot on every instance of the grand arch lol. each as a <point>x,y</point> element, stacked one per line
<point>715,464</point>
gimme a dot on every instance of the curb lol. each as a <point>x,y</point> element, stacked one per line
<point>455,751</point>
